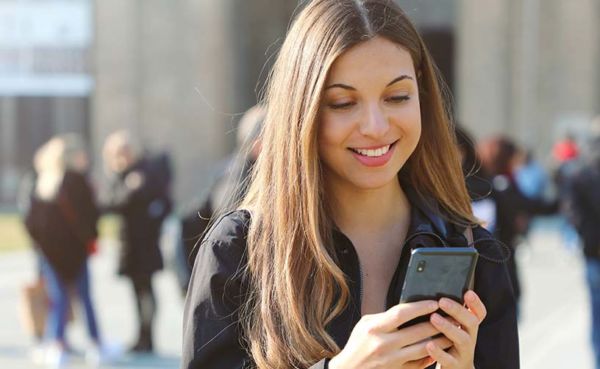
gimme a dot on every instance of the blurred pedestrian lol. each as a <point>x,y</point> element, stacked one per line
<point>225,193</point>
<point>530,175</point>
<point>584,212</point>
<point>479,188</point>
<point>514,210</point>
<point>139,193</point>
<point>565,149</point>
<point>358,166</point>
<point>568,163</point>
<point>61,218</point>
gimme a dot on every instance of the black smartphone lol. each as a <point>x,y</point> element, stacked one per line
<point>436,272</point>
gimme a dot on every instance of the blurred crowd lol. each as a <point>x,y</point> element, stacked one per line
<point>61,210</point>
<point>61,214</point>
<point>509,187</point>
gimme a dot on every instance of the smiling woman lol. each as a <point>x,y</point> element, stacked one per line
<point>358,167</point>
<point>370,120</point>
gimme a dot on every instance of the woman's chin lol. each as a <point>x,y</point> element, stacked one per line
<point>374,182</point>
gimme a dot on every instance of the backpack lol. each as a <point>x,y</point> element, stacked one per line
<point>160,170</point>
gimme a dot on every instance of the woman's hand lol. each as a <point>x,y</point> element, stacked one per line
<point>376,341</point>
<point>461,328</point>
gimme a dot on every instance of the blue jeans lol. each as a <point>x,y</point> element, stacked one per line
<point>593,280</point>
<point>58,291</point>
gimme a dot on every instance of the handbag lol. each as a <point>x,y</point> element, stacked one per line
<point>33,307</point>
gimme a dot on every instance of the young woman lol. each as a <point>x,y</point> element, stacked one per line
<point>358,167</point>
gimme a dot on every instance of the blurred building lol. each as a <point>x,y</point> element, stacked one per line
<point>179,73</point>
<point>528,68</point>
<point>45,79</point>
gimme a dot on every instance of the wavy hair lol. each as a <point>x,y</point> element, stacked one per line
<point>297,287</point>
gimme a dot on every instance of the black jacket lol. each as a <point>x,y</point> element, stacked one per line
<point>212,333</point>
<point>63,227</point>
<point>138,196</point>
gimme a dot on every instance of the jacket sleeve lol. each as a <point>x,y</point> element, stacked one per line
<point>497,341</point>
<point>211,329</point>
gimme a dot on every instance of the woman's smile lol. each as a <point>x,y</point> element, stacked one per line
<point>374,156</point>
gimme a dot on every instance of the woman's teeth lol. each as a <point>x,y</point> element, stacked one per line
<point>373,153</point>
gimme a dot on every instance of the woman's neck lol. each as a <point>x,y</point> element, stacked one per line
<point>372,211</point>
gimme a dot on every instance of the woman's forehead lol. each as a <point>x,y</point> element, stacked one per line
<point>375,56</point>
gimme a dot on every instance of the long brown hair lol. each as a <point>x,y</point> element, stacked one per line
<point>297,287</point>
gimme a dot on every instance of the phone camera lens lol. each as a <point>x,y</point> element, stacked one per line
<point>421,266</point>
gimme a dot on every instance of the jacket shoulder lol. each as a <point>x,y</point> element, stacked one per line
<point>223,248</point>
<point>211,328</point>
<point>229,229</point>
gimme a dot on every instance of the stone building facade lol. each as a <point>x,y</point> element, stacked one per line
<point>178,73</point>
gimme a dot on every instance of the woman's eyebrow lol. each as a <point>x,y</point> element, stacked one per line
<point>340,85</point>
<point>398,79</point>
<point>347,87</point>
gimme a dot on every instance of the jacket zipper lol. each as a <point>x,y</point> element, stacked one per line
<point>360,285</point>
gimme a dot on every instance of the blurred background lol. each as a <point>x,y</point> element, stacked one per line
<point>178,74</point>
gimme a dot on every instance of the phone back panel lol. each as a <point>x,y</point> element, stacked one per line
<point>434,273</point>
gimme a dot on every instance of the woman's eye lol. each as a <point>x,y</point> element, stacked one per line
<point>397,99</point>
<point>341,105</point>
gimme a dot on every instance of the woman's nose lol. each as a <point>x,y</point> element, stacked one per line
<point>374,124</point>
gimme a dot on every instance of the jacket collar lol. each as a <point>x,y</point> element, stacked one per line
<point>425,214</point>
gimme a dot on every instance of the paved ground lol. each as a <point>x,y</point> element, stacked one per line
<point>554,330</point>
<point>115,310</point>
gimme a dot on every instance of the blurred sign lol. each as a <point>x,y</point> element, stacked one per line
<point>44,47</point>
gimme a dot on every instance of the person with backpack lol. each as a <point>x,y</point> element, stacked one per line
<point>139,193</point>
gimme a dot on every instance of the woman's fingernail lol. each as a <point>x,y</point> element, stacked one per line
<point>445,303</point>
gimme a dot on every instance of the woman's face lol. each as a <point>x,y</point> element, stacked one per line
<point>370,120</point>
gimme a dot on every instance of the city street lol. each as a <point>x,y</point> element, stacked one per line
<point>554,326</point>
